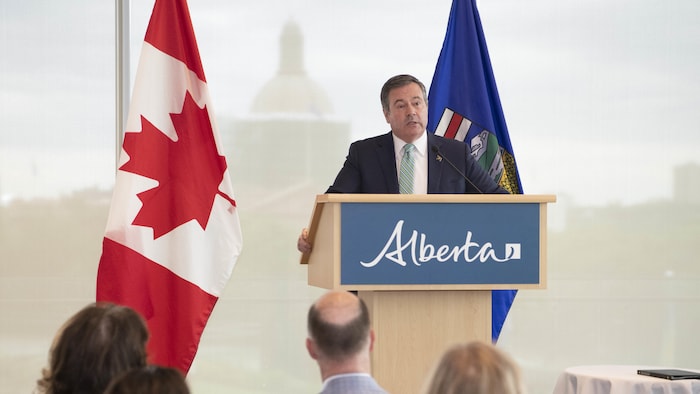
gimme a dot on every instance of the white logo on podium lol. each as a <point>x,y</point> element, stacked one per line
<point>421,251</point>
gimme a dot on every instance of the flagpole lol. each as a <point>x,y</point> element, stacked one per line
<point>121,41</point>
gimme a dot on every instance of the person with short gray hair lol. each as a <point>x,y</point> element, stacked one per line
<point>340,340</point>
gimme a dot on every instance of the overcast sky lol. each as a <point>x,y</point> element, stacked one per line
<point>601,97</point>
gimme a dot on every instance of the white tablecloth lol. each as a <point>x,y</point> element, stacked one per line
<point>620,379</point>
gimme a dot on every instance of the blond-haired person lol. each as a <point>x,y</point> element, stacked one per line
<point>475,368</point>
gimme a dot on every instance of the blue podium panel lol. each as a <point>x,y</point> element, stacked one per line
<point>440,244</point>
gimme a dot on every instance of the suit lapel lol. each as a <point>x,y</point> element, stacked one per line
<point>434,165</point>
<point>387,162</point>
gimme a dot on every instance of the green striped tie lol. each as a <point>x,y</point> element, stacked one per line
<point>406,171</point>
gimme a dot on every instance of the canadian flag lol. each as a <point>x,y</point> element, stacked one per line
<point>173,233</point>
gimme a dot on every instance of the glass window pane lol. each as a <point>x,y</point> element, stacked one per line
<point>56,171</point>
<point>604,118</point>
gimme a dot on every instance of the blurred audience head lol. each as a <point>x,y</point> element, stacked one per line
<point>339,328</point>
<point>96,344</point>
<point>475,368</point>
<point>152,379</point>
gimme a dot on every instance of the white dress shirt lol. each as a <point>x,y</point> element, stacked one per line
<point>420,169</point>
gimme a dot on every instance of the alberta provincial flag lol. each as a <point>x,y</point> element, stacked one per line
<point>463,104</point>
<point>173,234</point>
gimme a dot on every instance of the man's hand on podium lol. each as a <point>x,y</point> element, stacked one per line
<point>303,244</point>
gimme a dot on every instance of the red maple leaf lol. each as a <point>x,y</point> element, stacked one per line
<point>189,170</point>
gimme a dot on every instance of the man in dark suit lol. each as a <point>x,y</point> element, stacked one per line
<point>340,340</point>
<point>437,164</point>
<point>373,164</point>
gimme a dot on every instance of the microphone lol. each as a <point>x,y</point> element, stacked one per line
<point>440,156</point>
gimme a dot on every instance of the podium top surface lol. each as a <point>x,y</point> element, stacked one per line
<point>436,198</point>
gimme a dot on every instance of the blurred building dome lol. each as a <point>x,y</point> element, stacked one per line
<point>291,90</point>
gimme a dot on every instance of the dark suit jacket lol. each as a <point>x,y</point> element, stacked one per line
<point>371,168</point>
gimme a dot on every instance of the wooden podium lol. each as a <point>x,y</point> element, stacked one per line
<point>425,266</point>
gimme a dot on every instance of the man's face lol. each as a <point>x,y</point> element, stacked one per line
<point>407,112</point>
